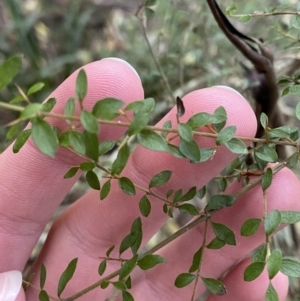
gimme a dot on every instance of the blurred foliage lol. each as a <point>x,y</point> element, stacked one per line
<point>57,37</point>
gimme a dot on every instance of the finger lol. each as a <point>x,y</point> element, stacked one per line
<point>31,184</point>
<point>282,195</point>
<point>89,227</point>
<point>238,289</point>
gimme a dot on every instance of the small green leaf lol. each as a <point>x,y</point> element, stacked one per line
<point>225,135</point>
<point>166,125</point>
<point>43,275</point>
<point>297,110</point>
<point>102,267</point>
<point>104,284</point>
<point>174,151</point>
<point>81,85</point>
<point>272,222</point>
<point>220,201</point>
<point>87,166</point>
<point>128,282</point>
<point>271,294</point>
<point>31,110</point>
<point>184,279</point>
<point>49,105</point>
<point>69,109</point>
<point>145,206</point>
<point>105,190</point>
<point>260,253</point>
<point>189,195</point>
<point>17,99</point>
<point>126,242</point>
<point>219,118</point>
<point>127,296</point>
<point>12,132</point>
<point>105,146</point>
<point>138,123</point>
<point>224,233</point>
<point>267,154</point>
<point>236,146</point>
<point>93,180</point>
<point>151,140</point>
<point>128,267</point>
<point>43,296</point>
<point>250,226</point>
<point>189,208</point>
<point>44,137</point>
<point>160,179</point>
<point>121,160</point>
<point>245,19</point>
<point>66,276</point>
<point>266,180</point>
<point>126,185</point>
<point>89,122</point>
<point>214,286</point>
<point>35,88</point>
<point>107,108</point>
<point>216,243</point>
<point>120,285</point>
<point>108,252</point>
<point>254,270</point>
<point>150,261</point>
<point>90,141</point>
<point>206,154</point>
<point>223,184</point>
<point>294,160</point>
<point>264,120</point>
<point>71,172</point>
<point>196,260</point>
<point>274,262</point>
<point>76,142</point>
<point>232,166</point>
<point>21,140</point>
<point>230,9</point>
<point>136,231</point>
<point>290,217</point>
<point>198,120</point>
<point>9,69</point>
<point>290,267</point>
<point>185,132</point>
<point>190,150</point>
<point>201,192</point>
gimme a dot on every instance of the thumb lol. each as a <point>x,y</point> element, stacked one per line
<point>11,286</point>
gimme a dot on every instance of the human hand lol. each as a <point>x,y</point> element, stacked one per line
<point>32,188</point>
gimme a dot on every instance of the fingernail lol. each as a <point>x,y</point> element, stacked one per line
<point>123,62</point>
<point>10,285</point>
<point>229,88</point>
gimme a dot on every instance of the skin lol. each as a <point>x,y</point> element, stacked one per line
<point>32,188</point>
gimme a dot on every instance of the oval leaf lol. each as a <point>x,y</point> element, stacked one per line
<point>272,222</point>
<point>290,267</point>
<point>250,226</point>
<point>145,206</point>
<point>151,140</point>
<point>254,270</point>
<point>66,276</point>
<point>214,286</point>
<point>274,263</point>
<point>149,261</point>
<point>21,140</point>
<point>126,185</point>
<point>44,137</point>
<point>184,279</point>
<point>160,179</point>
